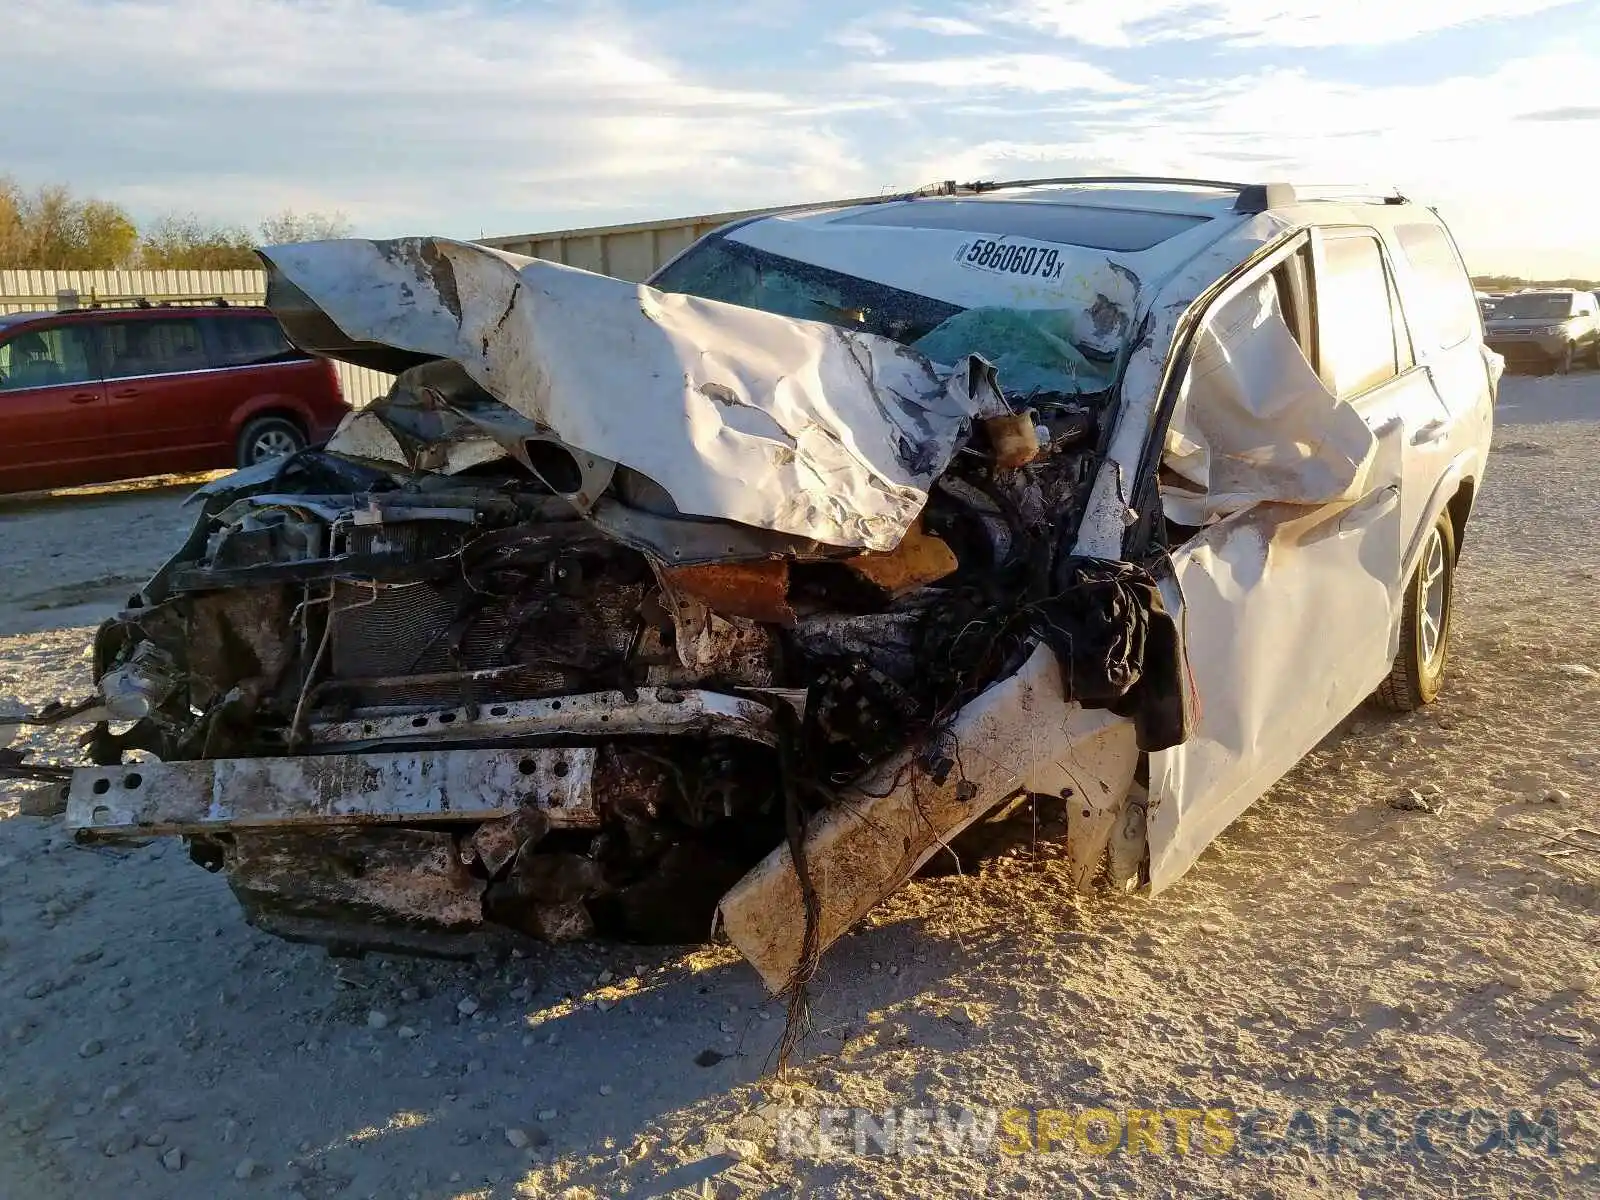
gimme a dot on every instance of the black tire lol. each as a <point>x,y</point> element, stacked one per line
<point>1418,671</point>
<point>269,437</point>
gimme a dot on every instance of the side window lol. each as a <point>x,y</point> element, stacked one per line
<point>159,347</point>
<point>1441,302</point>
<point>248,341</point>
<point>46,357</point>
<point>1361,333</point>
<point>1291,279</point>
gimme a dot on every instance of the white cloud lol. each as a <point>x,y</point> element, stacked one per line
<point>1291,23</point>
<point>997,72</point>
<point>867,34</point>
<point>477,116</point>
<point>394,115</point>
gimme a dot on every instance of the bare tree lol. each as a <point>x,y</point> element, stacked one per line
<point>185,242</point>
<point>290,226</point>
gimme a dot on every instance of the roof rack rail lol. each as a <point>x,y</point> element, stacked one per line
<point>96,302</point>
<point>1220,184</point>
<point>1253,197</point>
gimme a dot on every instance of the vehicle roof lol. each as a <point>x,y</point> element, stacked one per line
<point>1143,227</point>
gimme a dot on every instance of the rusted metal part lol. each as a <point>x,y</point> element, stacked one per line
<point>652,710</point>
<point>758,590</point>
<point>359,889</point>
<point>139,799</point>
<point>919,559</point>
<point>234,636</point>
<point>495,843</point>
<point>1014,439</point>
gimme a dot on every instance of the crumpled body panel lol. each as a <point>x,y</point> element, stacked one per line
<point>782,424</point>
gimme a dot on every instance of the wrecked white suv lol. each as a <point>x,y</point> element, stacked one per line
<point>732,599</point>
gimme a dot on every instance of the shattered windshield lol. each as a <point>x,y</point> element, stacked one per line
<point>722,269</point>
<point>1546,305</point>
<point>1034,350</point>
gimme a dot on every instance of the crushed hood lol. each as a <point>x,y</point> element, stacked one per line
<point>782,424</point>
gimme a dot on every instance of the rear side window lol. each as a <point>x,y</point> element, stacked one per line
<point>249,342</point>
<point>46,358</point>
<point>1441,305</point>
<point>1356,318</point>
<point>153,347</point>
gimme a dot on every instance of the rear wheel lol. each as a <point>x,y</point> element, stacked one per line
<point>269,437</point>
<point>1418,671</point>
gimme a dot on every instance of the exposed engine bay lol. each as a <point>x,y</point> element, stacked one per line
<point>457,678</point>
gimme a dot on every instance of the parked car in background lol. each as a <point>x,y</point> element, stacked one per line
<point>1548,329</point>
<point>106,393</point>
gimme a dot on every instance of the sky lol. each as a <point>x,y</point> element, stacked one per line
<point>497,117</point>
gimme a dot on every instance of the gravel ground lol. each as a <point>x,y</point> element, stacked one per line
<point>1329,951</point>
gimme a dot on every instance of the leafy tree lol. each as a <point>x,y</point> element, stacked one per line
<point>50,229</point>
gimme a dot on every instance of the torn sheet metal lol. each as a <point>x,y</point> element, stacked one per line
<point>194,797</point>
<point>788,425</point>
<point>1253,422</point>
<point>1019,735</point>
<point>661,710</point>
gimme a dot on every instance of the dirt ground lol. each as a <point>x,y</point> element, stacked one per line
<point>1330,951</point>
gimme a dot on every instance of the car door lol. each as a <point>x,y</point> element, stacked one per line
<point>159,388</point>
<point>52,408</point>
<point>1288,604</point>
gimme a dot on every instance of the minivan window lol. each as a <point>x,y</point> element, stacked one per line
<point>1442,303</point>
<point>153,348</point>
<point>46,357</point>
<point>248,341</point>
<point>1354,316</point>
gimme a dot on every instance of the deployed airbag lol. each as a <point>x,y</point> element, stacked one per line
<point>1254,423</point>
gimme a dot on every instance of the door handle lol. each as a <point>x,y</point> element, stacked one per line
<point>1431,432</point>
<point>126,393</point>
<point>83,397</point>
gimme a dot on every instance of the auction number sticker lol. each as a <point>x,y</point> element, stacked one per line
<point>1023,259</point>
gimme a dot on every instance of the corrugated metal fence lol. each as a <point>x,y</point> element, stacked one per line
<point>633,251</point>
<point>630,252</point>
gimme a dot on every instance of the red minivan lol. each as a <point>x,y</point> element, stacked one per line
<point>94,395</point>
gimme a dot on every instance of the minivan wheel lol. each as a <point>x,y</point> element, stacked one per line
<point>269,437</point>
<point>1418,671</point>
